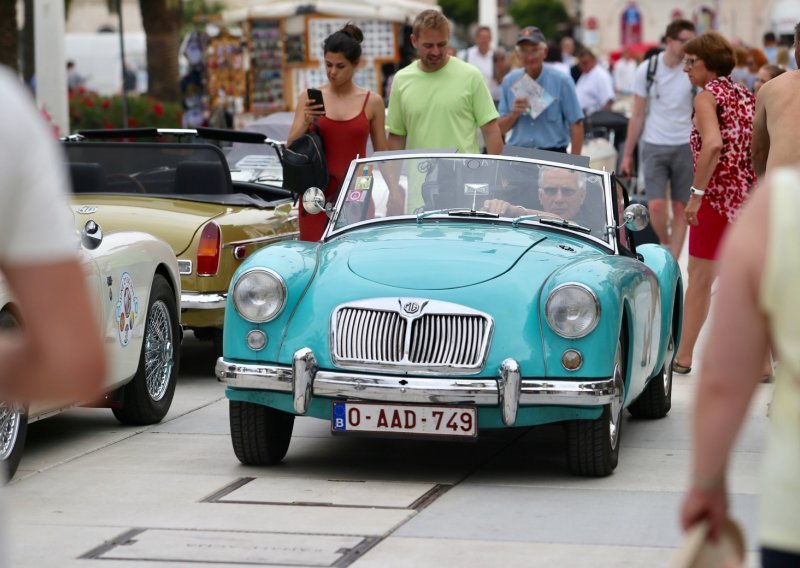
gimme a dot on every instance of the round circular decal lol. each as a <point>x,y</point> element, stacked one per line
<point>127,308</point>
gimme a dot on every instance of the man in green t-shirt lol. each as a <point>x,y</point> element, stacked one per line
<point>439,101</point>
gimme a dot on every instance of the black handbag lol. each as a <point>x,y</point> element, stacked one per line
<point>304,163</point>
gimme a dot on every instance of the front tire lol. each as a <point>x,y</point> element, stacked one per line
<point>13,420</point>
<point>13,431</point>
<point>147,397</point>
<point>260,434</point>
<point>593,445</point>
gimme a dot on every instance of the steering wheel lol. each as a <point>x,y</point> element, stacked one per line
<point>126,178</point>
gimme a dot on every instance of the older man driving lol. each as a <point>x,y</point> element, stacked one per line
<point>561,193</point>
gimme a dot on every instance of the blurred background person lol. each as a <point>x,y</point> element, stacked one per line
<point>721,142</point>
<point>741,71</point>
<point>770,48</point>
<point>764,74</point>
<point>481,56</point>
<point>75,80</point>
<point>567,45</point>
<point>778,120</point>
<point>624,72</point>
<point>662,114</point>
<point>58,353</point>
<point>558,121</point>
<point>348,117</point>
<point>501,69</point>
<point>554,59</point>
<point>758,307</point>
<point>755,61</point>
<point>595,87</point>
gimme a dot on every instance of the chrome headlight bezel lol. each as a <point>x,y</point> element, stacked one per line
<point>590,308</point>
<point>259,314</point>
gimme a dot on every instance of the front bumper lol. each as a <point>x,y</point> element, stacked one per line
<point>508,391</point>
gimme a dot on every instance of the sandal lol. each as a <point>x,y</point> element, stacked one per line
<point>680,369</point>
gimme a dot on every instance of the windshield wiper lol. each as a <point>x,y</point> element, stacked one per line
<point>555,221</point>
<point>457,213</point>
<point>564,223</point>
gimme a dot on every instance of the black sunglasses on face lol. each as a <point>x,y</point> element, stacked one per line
<point>550,191</point>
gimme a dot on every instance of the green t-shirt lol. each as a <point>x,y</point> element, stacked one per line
<point>441,109</point>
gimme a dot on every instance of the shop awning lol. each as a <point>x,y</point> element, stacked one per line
<point>392,10</point>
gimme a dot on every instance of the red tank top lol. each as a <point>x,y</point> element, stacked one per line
<point>343,141</point>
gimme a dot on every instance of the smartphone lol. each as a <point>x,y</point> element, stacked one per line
<point>315,96</point>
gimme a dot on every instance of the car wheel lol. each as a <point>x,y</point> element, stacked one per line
<point>656,399</point>
<point>13,431</point>
<point>13,421</point>
<point>260,434</point>
<point>593,445</point>
<point>148,396</point>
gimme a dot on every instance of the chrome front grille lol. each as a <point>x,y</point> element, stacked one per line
<point>415,335</point>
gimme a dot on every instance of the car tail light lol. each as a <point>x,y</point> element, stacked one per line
<point>208,251</point>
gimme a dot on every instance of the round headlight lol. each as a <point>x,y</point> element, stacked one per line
<point>572,310</point>
<point>259,295</point>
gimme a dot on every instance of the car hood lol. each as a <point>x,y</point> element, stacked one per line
<point>433,258</point>
<point>174,221</point>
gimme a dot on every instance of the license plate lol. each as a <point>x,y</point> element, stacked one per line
<point>457,421</point>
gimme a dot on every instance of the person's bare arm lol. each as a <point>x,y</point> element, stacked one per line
<point>377,126</point>
<point>708,126</point>
<point>396,142</point>
<point>760,147</point>
<point>492,137</point>
<point>732,360</point>
<point>304,115</point>
<point>635,125</point>
<point>58,354</point>
<point>576,137</point>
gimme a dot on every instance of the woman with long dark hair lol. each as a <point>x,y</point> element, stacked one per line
<point>348,117</point>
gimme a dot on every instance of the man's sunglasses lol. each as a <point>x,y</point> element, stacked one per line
<point>565,191</point>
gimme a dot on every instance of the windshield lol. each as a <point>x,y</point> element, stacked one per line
<point>521,191</point>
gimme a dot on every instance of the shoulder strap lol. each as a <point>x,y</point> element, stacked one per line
<point>652,65</point>
<point>366,100</point>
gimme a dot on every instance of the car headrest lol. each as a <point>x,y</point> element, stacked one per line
<point>87,177</point>
<point>202,177</point>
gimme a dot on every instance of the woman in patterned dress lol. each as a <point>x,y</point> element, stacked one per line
<point>721,137</point>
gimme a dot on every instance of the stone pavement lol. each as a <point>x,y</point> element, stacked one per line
<point>174,494</point>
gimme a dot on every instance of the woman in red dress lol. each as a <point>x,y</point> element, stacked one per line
<point>721,138</point>
<point>351,115</point>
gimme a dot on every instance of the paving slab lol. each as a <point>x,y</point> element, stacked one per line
<point>405,552</point>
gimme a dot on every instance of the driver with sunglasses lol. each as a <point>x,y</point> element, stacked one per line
<point>561,193</point>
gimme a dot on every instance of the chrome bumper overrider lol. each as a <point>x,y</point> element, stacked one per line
<point>508,390</point>
<point>195,301</point>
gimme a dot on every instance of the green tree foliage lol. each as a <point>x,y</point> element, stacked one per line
<point>462,12</point>
<point>545,14</point>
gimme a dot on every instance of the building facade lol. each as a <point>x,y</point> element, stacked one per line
<point>607,25</point>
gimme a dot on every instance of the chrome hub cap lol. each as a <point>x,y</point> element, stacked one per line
<point>158,351</point>
<point>9,429</point>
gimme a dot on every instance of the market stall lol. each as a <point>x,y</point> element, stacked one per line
<point>284,45</point>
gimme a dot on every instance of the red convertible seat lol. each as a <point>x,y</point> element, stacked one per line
<point>202,177</point>
<point>87,177</point>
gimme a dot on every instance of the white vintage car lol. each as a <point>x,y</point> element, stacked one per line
<point>135,281</point>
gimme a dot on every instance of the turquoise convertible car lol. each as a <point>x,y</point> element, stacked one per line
<point>452,294</point>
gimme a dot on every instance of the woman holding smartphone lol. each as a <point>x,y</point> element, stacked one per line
<point>347,117</point>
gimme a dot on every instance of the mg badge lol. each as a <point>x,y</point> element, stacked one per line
<point>411,307</point>
<point>87,209</point>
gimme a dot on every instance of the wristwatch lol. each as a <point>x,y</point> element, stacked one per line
<point>697,192</point>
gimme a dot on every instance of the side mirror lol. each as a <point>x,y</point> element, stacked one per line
<point>314,201</point>
<point>92,235</point>
<point>636,217</point>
